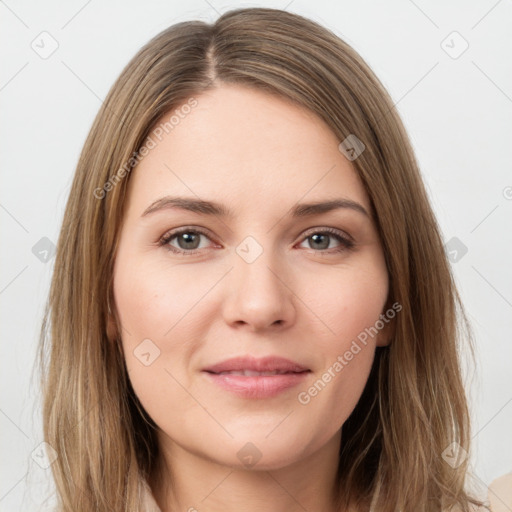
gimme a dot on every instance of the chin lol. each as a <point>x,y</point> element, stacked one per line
<point>255,453</point>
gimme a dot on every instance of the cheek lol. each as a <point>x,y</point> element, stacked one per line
<point>349,309</point>
<point>152,300</point>
<point>160,311</point>
<point>350,305</point>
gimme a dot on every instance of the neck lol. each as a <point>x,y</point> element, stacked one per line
<point>187,481</point>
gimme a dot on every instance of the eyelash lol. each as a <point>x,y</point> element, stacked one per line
<point>345,243</point>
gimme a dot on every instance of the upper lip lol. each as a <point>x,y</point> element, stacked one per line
<point>265,364</point>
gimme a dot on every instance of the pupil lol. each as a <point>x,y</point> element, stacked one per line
<point>325,239</point>
<point>189,240</point>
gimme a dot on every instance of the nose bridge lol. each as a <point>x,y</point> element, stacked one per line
<point>257,294</point>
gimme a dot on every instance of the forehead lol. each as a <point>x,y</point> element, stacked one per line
<point>248,148</point>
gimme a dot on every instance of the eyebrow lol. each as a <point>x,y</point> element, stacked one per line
<point>213,208</point>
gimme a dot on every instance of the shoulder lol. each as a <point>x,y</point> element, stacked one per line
<point>500,493</point>
<point>499,496</point>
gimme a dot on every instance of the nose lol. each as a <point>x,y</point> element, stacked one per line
<point>258,295</point>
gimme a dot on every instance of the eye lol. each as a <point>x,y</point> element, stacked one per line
<point>187,240</point>
<point>320,239</point>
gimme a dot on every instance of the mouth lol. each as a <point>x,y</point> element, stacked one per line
<point>247,377</point>
<point>251,366</point>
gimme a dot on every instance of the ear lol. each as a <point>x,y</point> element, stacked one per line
<point>386,334</point>
<point>388,318</point>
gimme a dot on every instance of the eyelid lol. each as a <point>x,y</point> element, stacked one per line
<point>331,231</point>
<point>168,235</point>
<point>345,239</point>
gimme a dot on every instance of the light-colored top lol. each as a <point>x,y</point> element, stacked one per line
<point>499,495</point>
<point>149,503</point>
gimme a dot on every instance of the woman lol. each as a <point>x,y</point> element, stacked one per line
<point>251,305</point>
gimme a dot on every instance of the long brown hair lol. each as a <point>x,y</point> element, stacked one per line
<point>413,407</point>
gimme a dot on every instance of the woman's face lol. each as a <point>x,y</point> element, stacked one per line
<point>254,274</point>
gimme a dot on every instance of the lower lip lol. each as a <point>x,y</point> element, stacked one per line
<point>264,386</point>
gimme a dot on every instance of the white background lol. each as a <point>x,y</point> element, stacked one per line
<point>458,112</point>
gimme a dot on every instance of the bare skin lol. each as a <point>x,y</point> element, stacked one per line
<point>304,297</point>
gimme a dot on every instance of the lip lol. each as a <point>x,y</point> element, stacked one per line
<point>264,364</point>
<point>260,386</point>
